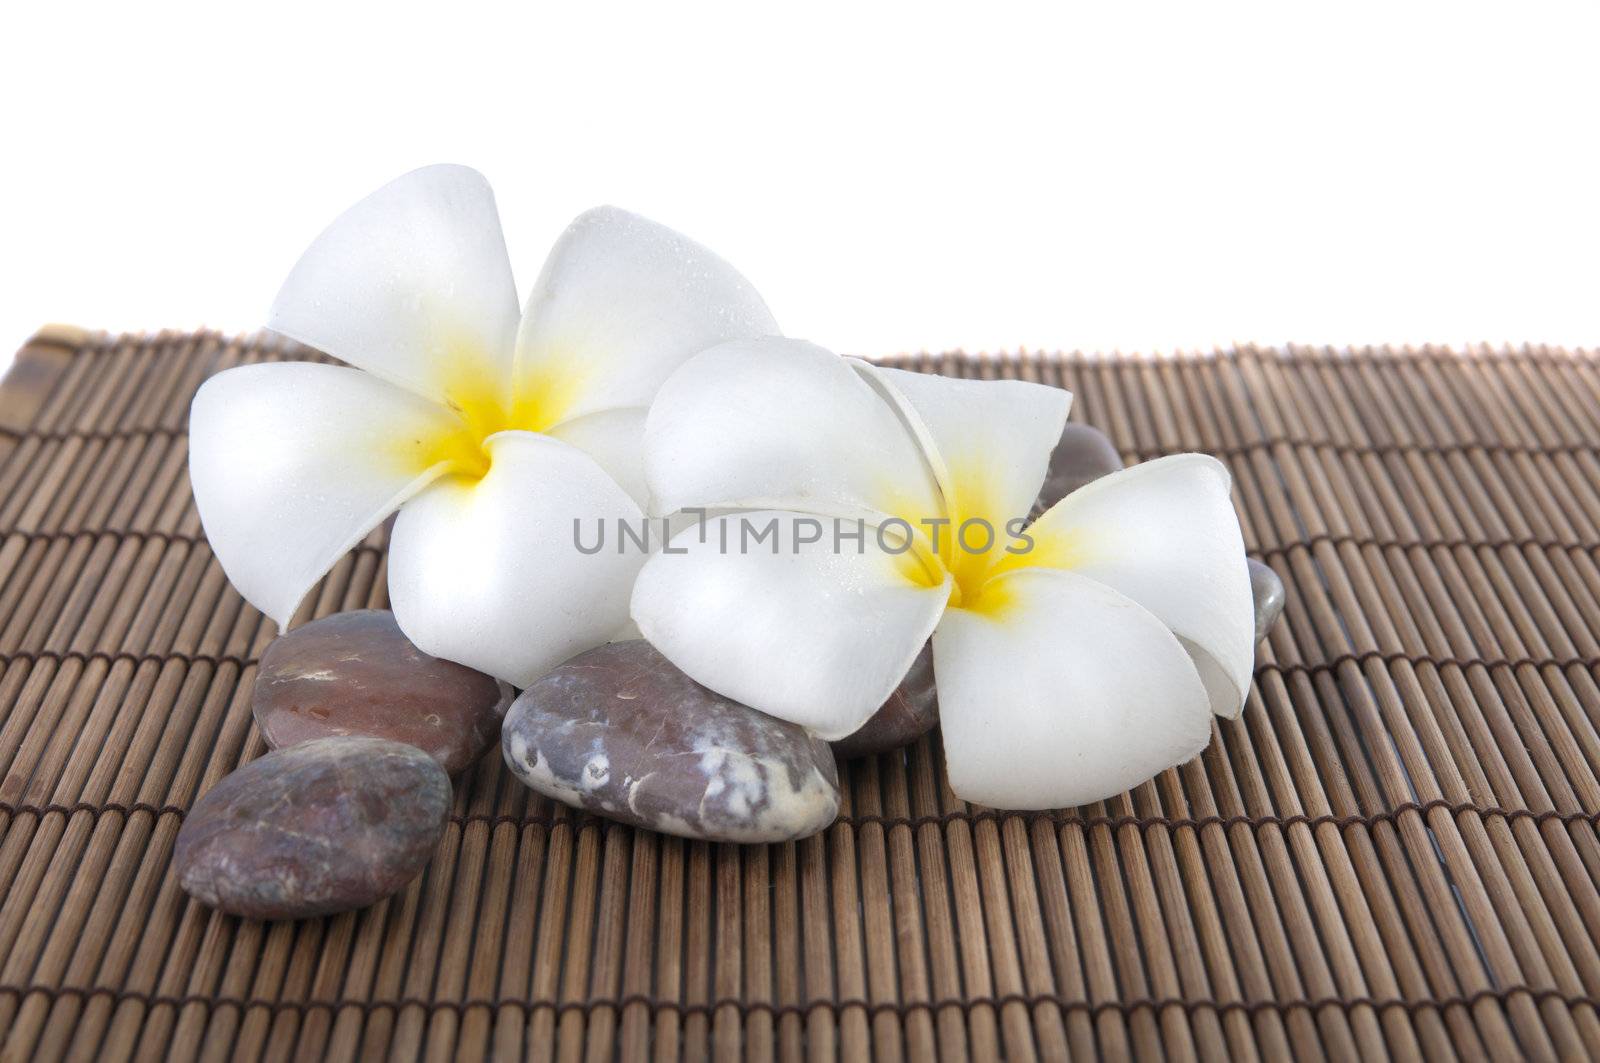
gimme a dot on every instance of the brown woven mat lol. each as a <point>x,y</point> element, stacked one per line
<point>1393,852</point>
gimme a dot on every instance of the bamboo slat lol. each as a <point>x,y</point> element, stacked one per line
<point>1393,853</point>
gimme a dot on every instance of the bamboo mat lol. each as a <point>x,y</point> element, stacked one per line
<point>1392,853</point>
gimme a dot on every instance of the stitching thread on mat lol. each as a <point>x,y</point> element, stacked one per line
<point>84,657</point>
<point>267,346</point>
<point>1426,544</point>
<point>1333,664</point>
<point>1055,819</point>
<point>1263,550</point>
<point>1384,357</point>
<point>1401,657</point>
<point>101,435</point>
<point>682,1008</point>
<point>1352,819</point>
<point>1347,447</point>
<point>1251,446</point>
<point>148,535</point>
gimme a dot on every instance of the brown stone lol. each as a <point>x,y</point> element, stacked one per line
<point>356,674</point>
<point>620,731</point>
<point>1084,453</point>
<point>325,826</point>
<point>909,713</point>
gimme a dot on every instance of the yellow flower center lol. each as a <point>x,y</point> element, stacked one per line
<point>484,403</point>
<point>974,543</point>
<point>971,561</point>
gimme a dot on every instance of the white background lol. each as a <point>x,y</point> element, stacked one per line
<point>891,177</point>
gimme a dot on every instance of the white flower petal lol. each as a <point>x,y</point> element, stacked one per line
<point>782,424</point>
<point>994,437</point>
<point>804,632</point>
<point>293,464</point>
<point>413,284</point>
<point>1165,534</point>
<point>1062,692</point>
<point>621,303</point>
<point>488,573</point>
<point>615,439</point>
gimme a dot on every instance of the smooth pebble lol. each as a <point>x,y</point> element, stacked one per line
<point>326,826</point>
<point>1084,453</point>
<point>621,731</point>
<point>355,673</point>
<point>909,713</point>
<point>1266,590</point>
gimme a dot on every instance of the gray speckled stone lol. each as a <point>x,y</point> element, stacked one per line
<point>1267,591</point>
<point>325,826</point>
<point>910,713</point>
<point>620,731</point>
<point>1084,453</point>
<point>356,673</point>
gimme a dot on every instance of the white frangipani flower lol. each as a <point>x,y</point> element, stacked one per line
<point>490,430</point>
<point>1067,672</point>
